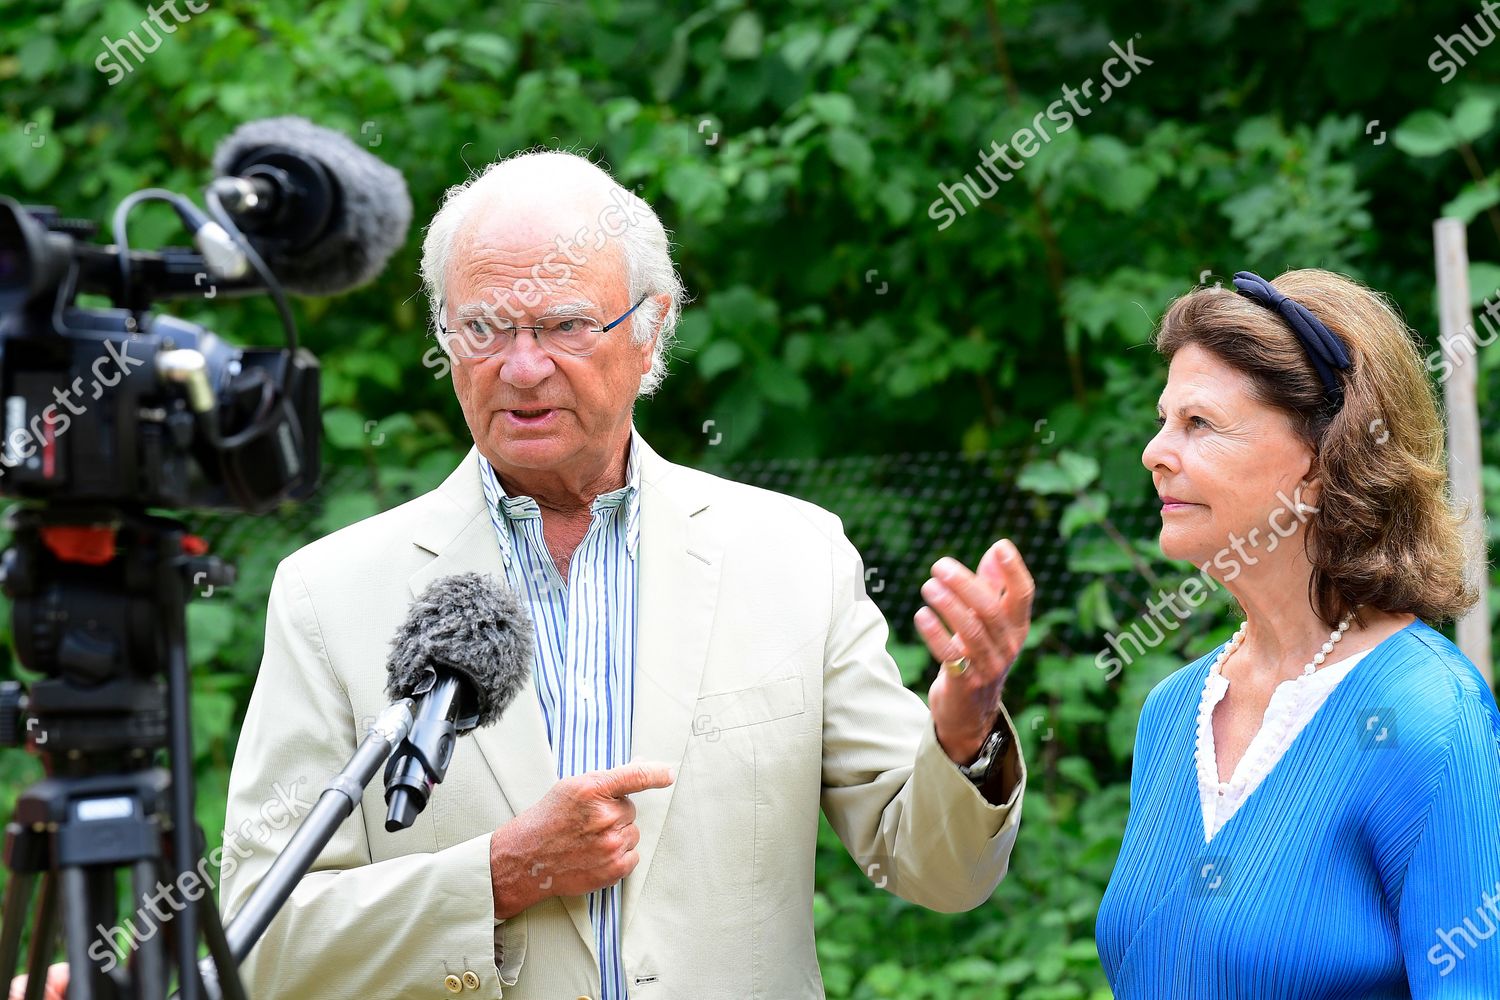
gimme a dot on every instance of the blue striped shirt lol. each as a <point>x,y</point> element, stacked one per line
<point>584,663</point>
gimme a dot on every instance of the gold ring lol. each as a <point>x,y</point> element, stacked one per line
<point>957,666</point>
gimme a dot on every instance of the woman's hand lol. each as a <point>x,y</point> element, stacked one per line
<point>57,984</point>
<point>983,616</point>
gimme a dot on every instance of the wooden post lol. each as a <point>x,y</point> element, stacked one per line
<point>1456,341</point>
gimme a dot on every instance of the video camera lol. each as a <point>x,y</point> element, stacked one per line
<point>104,414</point>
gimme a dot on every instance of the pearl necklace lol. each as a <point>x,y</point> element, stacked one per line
<point>1311,665</point>
<point>1216,685</point>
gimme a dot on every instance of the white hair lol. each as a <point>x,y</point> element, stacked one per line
<point>644,244</point>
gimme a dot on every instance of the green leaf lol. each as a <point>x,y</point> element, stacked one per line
<point>210,624</point>
<point>1069,472</point>
<point>802,44</point>
<point>492,54</point>
<point>1078,771</point>
<point>1474,117</point>
<point>697,188</point>
<point>782,386</point>
<point>719,357</point>
<point>39,56</point>
<point>344,428</point>
<point>898,201</point>
<point>1090,508</point>
<point>912,659</point>
<point>33,149</point>
<point>1424,133</point>
<point>345,509</point>
<point>850,150</point>
<point>1472,200</point>
<point>841,43</point>
<point>832,109</point>
<point>744,38</point>
<point>1484,282</point>
<point>1100,555</point>
<point>1094,609</point>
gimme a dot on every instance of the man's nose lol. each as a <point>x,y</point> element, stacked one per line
<point>525,364</point>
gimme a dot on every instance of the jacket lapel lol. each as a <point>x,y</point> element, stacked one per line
<point>681,558</point>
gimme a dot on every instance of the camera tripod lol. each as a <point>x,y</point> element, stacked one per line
<point>99,609</point>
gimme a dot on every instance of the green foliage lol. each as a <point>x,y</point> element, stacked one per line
<point>796,150</point>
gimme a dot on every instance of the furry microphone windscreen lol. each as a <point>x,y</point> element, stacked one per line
<point>371,224</point>
<point>475,627</point>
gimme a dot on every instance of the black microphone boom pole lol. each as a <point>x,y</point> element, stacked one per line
<point>337,801</point>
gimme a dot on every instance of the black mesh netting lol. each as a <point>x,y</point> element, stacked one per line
<point>901,511</point>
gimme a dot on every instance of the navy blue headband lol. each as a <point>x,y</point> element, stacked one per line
<point>1324,349</point>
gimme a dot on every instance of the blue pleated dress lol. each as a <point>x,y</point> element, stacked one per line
<point>1366,865</point>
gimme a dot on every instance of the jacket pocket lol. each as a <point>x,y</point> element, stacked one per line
<point>774,699</point>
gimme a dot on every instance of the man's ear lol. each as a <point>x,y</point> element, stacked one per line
<point>648,349</point>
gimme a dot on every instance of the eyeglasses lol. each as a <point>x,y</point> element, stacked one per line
<point>572,336</point>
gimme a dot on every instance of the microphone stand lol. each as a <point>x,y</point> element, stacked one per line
<point>335,804</point>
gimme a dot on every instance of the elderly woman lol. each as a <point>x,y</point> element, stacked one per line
<point>1315,803</point>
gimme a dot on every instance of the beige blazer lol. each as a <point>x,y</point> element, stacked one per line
<point>762,677</point>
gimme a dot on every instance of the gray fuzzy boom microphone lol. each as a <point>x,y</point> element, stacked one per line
<point>324,213</point>
<point>463,654</point>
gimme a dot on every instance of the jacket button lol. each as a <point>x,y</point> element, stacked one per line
<point>453,984</point>
<point>471,980</point>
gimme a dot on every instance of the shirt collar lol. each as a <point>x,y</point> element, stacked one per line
<point>505,508</point>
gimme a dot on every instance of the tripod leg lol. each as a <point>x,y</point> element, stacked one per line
<point>76,912</point>
<point>227,971</point>
<point>12,917</point>
<point>43,939</point>
<point>185,925</point>
<point>148,967</point>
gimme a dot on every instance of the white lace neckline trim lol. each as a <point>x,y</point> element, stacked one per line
<point>1293,704</point>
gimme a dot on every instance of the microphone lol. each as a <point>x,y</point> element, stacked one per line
<point>462,654</point>
<point>325,214</point>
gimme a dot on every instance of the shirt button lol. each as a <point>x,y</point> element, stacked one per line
<point>471,980</point>
<point>452,984</point>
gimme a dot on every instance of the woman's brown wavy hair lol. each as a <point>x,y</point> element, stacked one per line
<point>1386,534</point>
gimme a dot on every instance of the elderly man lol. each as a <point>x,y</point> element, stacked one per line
<point>708,671</point>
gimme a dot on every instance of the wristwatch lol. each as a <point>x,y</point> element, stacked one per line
<point>988,753</point>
